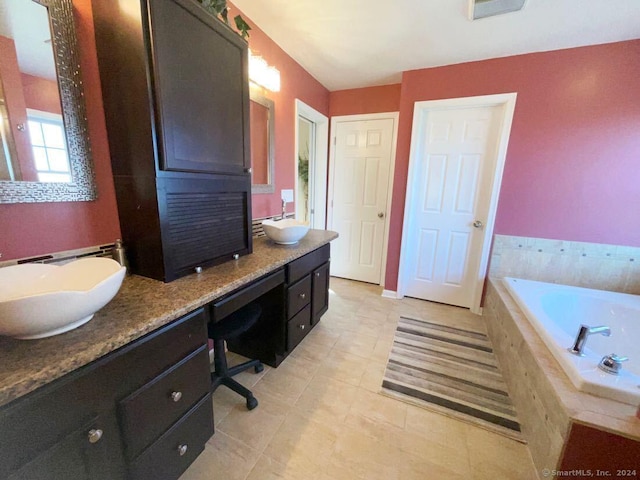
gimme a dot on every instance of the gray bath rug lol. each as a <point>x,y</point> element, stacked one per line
<point>451,371</point>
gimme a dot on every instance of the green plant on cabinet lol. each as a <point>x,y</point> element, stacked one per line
<point>220,9</point>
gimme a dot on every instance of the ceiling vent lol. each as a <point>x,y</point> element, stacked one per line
<point>489,8</point>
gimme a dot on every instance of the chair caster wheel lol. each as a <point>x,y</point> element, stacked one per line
<point>258,368</point>
<point>252,403</point>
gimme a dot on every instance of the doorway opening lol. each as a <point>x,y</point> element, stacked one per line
<point>305,193</point>
<point>311,140</point>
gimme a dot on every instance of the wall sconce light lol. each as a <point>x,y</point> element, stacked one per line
<point>263,74</point>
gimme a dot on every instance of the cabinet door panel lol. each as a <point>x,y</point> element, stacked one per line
<point>320,297</point>
<point>204,222</point>
<point>201,89</point>
<point>75,457</point>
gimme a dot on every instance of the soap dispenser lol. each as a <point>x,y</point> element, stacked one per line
<point>119,255</point>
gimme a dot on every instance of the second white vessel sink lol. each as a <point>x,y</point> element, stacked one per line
<point>38,301</point>
<point>285,232</point>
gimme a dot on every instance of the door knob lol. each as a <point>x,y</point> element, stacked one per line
<point>380,214</point>
<point>477,224</point>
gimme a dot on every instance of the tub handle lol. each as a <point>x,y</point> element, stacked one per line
<point>612,363</point>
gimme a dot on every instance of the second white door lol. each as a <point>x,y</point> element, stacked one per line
<point>360,181</point>
<point>453,167</point>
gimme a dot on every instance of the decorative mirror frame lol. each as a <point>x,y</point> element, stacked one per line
<point>66,56</point>
<point>269,187</point>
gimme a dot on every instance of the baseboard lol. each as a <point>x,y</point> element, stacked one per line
<point>390,294</point>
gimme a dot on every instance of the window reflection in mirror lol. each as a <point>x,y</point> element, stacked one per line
<point>34,145</point>
<point>261,115</point>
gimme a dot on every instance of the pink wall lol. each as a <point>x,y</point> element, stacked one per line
<point>295,83</point>
<point>572,166</point>
<point>41,94</point>
<point>358,101</point>
<point>33,229</point>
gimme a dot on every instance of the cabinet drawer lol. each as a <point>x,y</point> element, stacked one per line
<point>298,296</point>
<point>298,327</point>
<point>303,265</point>
<point>157,352</point>
<point>151,409</point>
<point>245,295</point>
<point>164,459</point>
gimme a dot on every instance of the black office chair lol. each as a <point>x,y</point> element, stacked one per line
<point>228,328</point>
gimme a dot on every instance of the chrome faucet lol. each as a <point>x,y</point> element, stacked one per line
<point>284,209</point>
<point>583,333</point>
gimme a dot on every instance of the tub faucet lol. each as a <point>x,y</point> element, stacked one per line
<point>583,333</point>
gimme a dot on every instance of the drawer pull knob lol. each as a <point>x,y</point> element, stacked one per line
<point>317,274</point>
<point>301,327</point>
<point>176,396</point>
<point>95,435</point>
<point>303,296</point>
<point>182,449</point>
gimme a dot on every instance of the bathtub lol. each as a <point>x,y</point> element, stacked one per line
<point>557,311</point>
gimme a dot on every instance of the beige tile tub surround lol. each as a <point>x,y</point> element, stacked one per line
<point>546,400</point>
<point>141,306</point>
<point>590,265</point>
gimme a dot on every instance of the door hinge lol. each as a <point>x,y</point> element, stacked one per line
<point>334,140</point>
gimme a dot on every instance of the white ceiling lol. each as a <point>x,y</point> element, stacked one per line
<point>358,43</point>
<point>27,23</point>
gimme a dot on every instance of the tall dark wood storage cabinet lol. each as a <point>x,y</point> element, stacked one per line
<point>176,99</point>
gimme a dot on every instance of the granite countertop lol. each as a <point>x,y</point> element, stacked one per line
<point>141,306</point>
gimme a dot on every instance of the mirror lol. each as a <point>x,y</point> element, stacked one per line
<point>45,154</point>
<point>261,115</point>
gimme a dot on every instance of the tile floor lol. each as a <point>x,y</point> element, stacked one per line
<point>321,416</point>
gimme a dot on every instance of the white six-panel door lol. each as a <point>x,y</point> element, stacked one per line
<point>360,177</point>
<point>455,153</point>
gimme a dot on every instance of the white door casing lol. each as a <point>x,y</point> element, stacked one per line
<point>318,171</point>
<point>362,158</point>
<point>458,148</point>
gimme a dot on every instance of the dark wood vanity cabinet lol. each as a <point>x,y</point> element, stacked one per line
<point>295,300</point>
<point>307,293</point>
<point>143,411</point>
<point>176,99</point>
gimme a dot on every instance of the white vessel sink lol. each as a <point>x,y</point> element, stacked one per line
<point>285,232</point>
<point>38,301</point>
